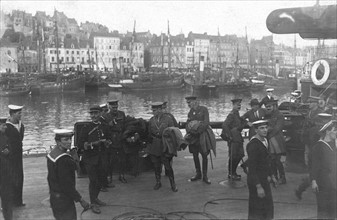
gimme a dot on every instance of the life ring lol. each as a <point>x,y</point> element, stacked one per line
<point>319,82</point>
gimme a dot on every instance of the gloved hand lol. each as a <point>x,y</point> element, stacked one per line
<point>84,204</point>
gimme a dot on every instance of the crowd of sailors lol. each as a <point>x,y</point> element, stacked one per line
<point>111,138</point>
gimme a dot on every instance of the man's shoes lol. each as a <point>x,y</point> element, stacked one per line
<point>104,189</point>
<point>157,186</point>
<point>20,205</point>
<point>95,209</point>
<point>298,194</point>
<point>122,179</point>
<point>110,185</point>
<point>100,203</point>
<point>234,177</point>
<point>206,180</point>
<point>244,167</point>
<point>195,178</point>
<point>282,180</point>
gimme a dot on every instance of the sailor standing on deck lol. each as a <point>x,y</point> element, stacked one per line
<point>15,133</point>
<point>231,132</point>
<point>157,124</point>
<point>260,196</point>
<point>61,178</point>
<point>254,114</point>
<point>198,114</point>
<point>268,97</point>
<point>6,166</point>
<point>324,171</point>
<point>94,140</point>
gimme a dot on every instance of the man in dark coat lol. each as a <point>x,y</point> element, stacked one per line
<point>157,124</point>
<point>268,97</point>
<point>6,166</point>
<point>259,174</point>
<point>254,114</point>
<point>94,139</point>
<point>116,121</point>
<point>15,133</point>
<point>199,114</point>
<point>276,140</point>
<point>231,132</point>
<point>324,171</point>
<point>61,178</point>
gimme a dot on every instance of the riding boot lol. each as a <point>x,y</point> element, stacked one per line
<point>204,170</point>
<point>173,184</point>
<point>197,168</point>
<point>158,183</point>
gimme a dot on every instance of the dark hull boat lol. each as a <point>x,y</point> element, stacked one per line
<point>52,85</point>
<point>15,91</point>
<point>154,83</point>
<point>13,86</point>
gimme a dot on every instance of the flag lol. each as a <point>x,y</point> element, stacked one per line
<point>11,58</point>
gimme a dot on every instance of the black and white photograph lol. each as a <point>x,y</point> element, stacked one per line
<point>168,110</point>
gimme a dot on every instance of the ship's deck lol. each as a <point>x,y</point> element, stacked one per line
<point>194,200</point>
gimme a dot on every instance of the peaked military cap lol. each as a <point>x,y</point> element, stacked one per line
<point>259,123</point>
<point>3,120</point>
<point>113,102</point>
<point>191,98</point>
<point>103,105</point>
<point>236,101</point>
<point>294,94</point>
<point>156,105</point>
<point>271,102</point>
<point>63,132</point>
<point>254,102</point>
<point>15,107</point>
<point>269,89</point>
<point>328,125</point>
<point>95,108</point>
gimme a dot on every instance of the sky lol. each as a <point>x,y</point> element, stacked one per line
<point>227,16</point>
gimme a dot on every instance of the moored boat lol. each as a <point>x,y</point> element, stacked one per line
<point>13,86</point>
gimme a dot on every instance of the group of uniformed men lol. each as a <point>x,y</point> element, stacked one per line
<point>101,143</point>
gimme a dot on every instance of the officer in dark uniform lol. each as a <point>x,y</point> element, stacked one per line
<point>116,121</point>
<point>6,166</point>
<point>94,139</point>
<point>61,178</point>
<point>231,132</point>
<point>200,114</point>
<point>15,132</point>
<point>157,124</point>
<point>254,114</point>
<point>165,111</point>
<point>259,175</point>
<point>268,97</point>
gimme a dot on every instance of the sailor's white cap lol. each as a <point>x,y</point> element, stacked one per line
<point>327,125</point>
<point>15,107</point>
<point>325,115</point>
<point>260,122</point>
<point>64,132</point>
<point>105,105</point>
<point>270,89</point>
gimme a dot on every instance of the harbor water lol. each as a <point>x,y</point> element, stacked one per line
<point>45,112</point>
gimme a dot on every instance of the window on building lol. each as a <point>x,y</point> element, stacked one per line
<point>72,46</point>
<point>67,59</point>
<point>82,59</point>
<point>73,59</point>
<point>52,59</point>
<point>67,52</point>
<point>72,52</point>
<point>78,52</point>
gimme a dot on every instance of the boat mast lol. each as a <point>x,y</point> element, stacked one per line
<point>169,47</point>
<point>132,43</point>
<point>248,52</point>
<point>162,50</point>
<point>57,47</point>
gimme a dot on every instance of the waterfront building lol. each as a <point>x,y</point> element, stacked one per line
<point>8,56</point>
<point>201,47</point>
<point>107,46</point>
<point>189,53</point>
<point>22,22</point>
<point>132,52</point>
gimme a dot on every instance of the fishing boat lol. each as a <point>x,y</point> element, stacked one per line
<point>55,83</point>
<point>13,86</point>
<point>153,81</point>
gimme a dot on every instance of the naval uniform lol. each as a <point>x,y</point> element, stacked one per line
<point>231,132</point>
<point>62,185</point>
<point>324,172</point>
<point>265,100</point>
<point>15,134</point>
<point>199,114</point>
<point>258,172</point>
<point>93,157</point>
<point>252,116</point>
<point>6,182</point>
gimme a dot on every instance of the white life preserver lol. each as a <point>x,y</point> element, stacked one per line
<point>326,72</point>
